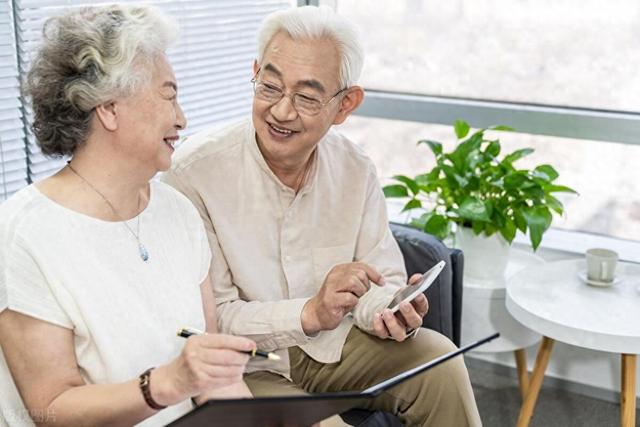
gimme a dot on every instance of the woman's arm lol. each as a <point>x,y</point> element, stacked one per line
<point>41,358</point>
<point>42,361</point>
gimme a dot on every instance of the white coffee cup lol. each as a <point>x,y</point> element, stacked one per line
<point>601,265</point>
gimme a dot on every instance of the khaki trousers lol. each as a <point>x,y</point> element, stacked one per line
<point>439,397</point>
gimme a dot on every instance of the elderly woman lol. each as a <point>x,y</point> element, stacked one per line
<point>99,266</point>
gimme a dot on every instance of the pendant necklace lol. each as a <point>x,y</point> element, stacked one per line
<point>142,250</point>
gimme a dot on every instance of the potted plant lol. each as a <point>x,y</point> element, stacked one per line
<point>483,193</point>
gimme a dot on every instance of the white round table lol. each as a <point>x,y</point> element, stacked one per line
<point>553,301</point>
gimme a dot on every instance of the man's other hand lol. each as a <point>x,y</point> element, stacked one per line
<point>399,325</point>
<point>339,294</point>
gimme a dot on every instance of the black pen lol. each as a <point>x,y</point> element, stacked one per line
<point>187,332</point>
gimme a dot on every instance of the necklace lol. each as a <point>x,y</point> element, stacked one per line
<point>142,250</point>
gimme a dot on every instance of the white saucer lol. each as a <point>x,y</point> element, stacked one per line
<point>583,276</point>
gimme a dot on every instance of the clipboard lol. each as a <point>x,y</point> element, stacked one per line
<point>305,410</point>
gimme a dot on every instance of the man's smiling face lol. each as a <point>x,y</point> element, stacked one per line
<point>308,67</point>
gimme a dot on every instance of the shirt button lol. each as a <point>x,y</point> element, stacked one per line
<point>287,258</point>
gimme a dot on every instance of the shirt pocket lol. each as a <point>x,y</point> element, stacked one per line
<point>324,259</point>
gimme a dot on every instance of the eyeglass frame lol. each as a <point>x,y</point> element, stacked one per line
<point>291,96</point>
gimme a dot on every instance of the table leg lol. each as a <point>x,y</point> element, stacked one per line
<point>628,392</point>
<point>542,360</point>
<point>523,374</point>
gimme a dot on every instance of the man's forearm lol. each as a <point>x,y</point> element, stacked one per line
<point>272,325</point>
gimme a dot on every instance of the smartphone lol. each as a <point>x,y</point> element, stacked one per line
<point>408,293</point>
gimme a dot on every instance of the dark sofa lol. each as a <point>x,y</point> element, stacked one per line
<point>422,251</point>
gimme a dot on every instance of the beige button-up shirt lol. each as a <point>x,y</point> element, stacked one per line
<point>272,248</point>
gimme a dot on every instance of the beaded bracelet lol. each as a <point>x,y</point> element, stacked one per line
<point>144,382</point>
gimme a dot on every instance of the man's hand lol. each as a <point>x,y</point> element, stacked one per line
<point>396,325</point>
<point>339,294</point>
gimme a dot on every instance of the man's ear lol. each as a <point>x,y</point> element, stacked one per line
<point>351,100</point>
<point>256,66</point>
<point>108,116</point>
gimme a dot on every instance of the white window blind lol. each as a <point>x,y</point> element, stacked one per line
<point>212,59</point>
<point>13,165</point>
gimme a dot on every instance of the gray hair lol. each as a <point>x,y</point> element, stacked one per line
<point>311,22</point>
<point>88,57</point>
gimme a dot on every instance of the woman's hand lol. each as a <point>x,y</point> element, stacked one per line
<point>207,362</point>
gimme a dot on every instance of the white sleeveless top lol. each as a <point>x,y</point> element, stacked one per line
<point>85,274</point>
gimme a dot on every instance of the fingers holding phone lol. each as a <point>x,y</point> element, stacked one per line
<point>407,308</point>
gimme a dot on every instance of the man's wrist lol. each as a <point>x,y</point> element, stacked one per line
<point>308,321</point>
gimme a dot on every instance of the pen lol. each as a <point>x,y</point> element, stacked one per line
<point>187,332</point>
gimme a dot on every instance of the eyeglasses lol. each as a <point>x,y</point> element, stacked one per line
<point>304,104</point>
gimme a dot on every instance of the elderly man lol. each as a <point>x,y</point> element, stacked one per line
<point>297,224</point>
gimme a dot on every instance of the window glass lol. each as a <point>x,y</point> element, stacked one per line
<point>579,53</point>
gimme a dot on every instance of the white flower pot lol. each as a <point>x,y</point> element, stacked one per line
<point>485,257</point>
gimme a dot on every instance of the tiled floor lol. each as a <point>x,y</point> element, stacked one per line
<point>499,402</point>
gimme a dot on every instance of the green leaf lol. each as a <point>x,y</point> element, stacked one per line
<point>410,183</point>
<point>498,219</point>
<point>462,182</point>
<point>473,209</point>
<point>462,128</point>
<point>477,227</point>
<point>493,148</point>
<point>548,170</point>
<point>438,225</point>
<point>559,189</point>
<point>474,183</point>
<point>435,146</point>
<point>489,229</point>
<point>395,190</point>
<point>554,203</point>
<point>465,148</point>
<point>532,191</point>
<point>421,221</point>
<point>515,180</point>
<point>521,222</point>
<point>502,128</point>
<point>428,178</point>
<point>516,155</point>
<point>488,204</point>
<point>538,220</point>
<point>412,204</point>
<point>509,229</point>
<point>453,178</point>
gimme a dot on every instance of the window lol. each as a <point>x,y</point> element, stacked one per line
<point>13,166</point>
<point>212,61</point>
<point>579,53</point>
<point>561,72</point>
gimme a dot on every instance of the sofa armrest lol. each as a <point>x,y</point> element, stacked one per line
<point>421,251</point>
<point>457,267</point>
